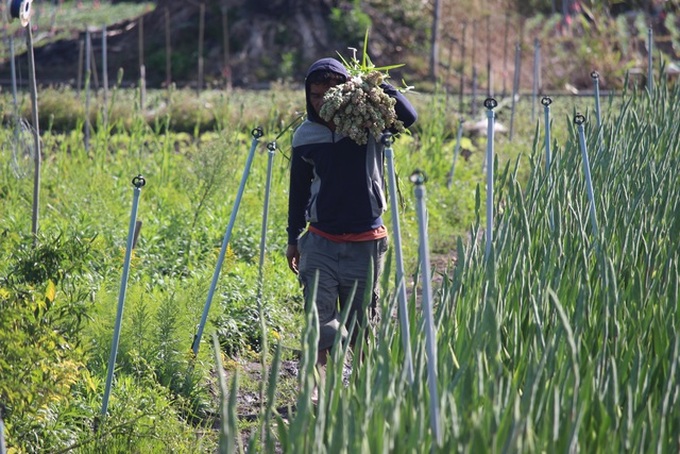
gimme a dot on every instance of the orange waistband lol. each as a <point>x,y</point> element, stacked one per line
<point>375,234</point>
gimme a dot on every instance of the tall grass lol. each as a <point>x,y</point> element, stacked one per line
<point>565,339</point>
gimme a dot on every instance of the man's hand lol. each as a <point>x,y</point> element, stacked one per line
<point>293,256</point>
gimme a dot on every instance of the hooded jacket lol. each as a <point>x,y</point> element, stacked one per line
<point>337,185</point>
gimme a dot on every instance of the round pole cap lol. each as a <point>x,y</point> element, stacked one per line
<point>418,177</point>
<point>386,139</point>
<point>138,181</point>
<point>490,103</point>
<point>257,132</point>
<point>19,9</point>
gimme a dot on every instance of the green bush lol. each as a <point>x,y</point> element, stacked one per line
<point>41,317</point>
<point>349,23</point>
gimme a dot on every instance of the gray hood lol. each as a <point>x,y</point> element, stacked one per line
<point>324,64</point>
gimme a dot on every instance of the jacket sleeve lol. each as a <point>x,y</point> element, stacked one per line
<point>301,174</point>
<point>403,108</point>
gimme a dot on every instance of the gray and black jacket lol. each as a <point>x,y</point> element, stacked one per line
<point>335,184</point>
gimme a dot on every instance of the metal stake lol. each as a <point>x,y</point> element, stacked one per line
<point>579,120</point>
<point>256,133</point>
<point>37,157</point>
<point>401,284</point>
<point>546,101</point>
<point>271,148</point>
<point>515,88</point>
<point>418,179</point>
<point>138,182</point>
<point>490,104</point>
<point>596,82</point>
<point>650,61</point>
<point>15,104</point>
<point>537,77</point>
<point>3,449</point>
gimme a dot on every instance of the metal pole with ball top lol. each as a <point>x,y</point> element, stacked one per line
<point>596,82</point>
<point>138,182</point>
<point>490,104</point>
<point>256,133</point>
<point>579,120</point>
<point>598,111</point>
<point>418,179</point>
<point>401,284</point>
<point>546,101</point>
<point>21,9</point>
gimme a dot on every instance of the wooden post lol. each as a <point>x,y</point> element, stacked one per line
<point>515,86</point>
<point>93,63</point>
<point>473,103</point>
<point>536,84</point>
<point>168,50</point>
<point>105,77</point>
<point>79,80</point>
<point>201,32</point>
<point>434,48</point>
<point>449,65</point>
<point>505,53</point>
<point>462,70</point>
<point>15,102</point>
<point>88,66</point>
<point>489,80</point>
<point>142,69</point>
<point>226,66</point>
<point>135,237</point>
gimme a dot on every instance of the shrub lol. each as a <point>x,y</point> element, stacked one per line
<point>40,321</point>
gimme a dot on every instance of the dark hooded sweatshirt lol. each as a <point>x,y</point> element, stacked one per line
<point>336,184</point>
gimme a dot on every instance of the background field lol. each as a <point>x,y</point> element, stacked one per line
<point>562,336</point>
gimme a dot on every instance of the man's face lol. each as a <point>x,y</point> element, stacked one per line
<point>316,92</point>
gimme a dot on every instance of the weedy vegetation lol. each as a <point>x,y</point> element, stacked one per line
<point>564,338</point>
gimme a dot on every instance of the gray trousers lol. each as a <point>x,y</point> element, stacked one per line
<point>345,270</point>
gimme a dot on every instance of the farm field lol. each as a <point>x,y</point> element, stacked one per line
<point>555,331</point>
